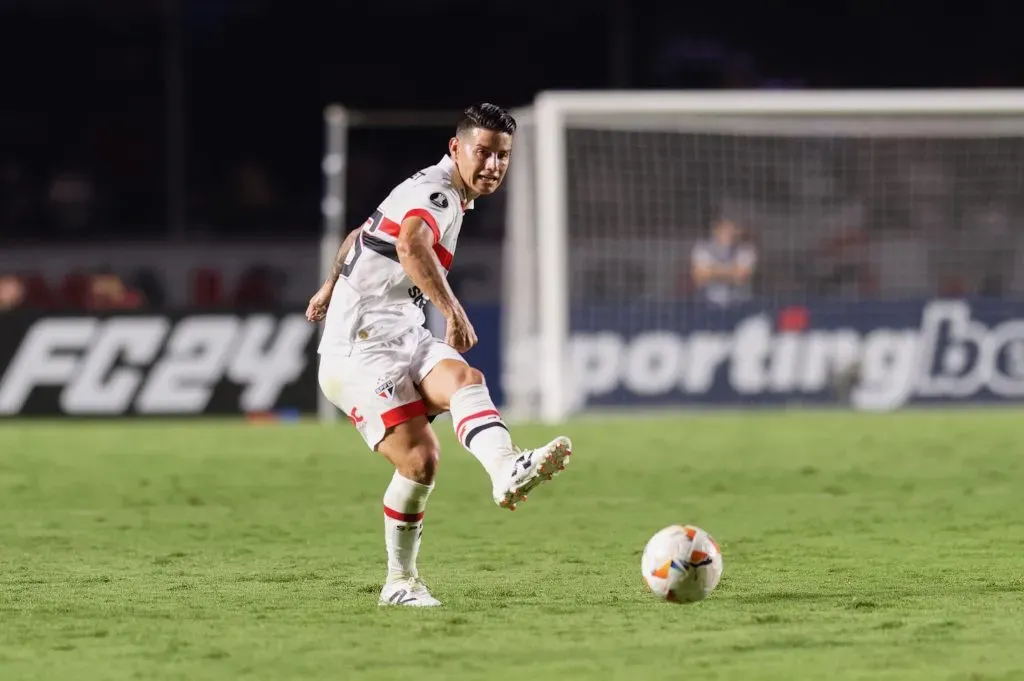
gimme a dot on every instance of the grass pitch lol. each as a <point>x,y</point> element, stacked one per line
<point>855,547</point>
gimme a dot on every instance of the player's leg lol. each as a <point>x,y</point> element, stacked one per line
<point>451,385</point>
<point>448,383</point>
<point>413,450</point>
<point>390,415</point>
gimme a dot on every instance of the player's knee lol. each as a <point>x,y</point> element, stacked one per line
<point>420,463</point>
<point>467,375</point>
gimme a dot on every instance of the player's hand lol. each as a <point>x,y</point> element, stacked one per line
<point>317,308</point>
<point>460,334</point>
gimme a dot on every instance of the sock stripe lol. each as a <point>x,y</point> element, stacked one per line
<point>460,429</point>
<point>403,517</point>
<point>476,431</point>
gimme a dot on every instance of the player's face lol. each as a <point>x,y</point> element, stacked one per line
<point>482,157</point>
<point>726,232</point>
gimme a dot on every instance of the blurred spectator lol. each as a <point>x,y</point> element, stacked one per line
<point>108,292</point>
<point>723,265</point>
<point>12,292</point>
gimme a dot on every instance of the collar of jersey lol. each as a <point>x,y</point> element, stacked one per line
<point>448,165</point>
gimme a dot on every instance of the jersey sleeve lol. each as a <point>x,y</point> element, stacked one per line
<point>700,256</point>
<point>746,257</point>
<point>435,204</point>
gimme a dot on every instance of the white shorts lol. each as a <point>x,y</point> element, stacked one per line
<point>377,385</point>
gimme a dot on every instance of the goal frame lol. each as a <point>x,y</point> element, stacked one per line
<point>554,111</point>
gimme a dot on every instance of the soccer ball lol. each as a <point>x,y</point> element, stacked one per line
<point>681,564</point>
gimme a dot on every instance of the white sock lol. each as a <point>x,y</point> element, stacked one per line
<point>479,427</point>
<point>404,503</point>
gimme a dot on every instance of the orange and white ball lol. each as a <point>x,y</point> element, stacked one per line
<point>681,564</point>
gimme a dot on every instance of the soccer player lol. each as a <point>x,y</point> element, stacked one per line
<point>380,365</point>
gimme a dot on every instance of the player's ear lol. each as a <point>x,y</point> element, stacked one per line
<point>453,147</point>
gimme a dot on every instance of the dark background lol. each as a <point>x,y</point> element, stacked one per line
<point>187,118</point>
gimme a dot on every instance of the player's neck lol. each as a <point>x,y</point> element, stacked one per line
<point>464,192</point>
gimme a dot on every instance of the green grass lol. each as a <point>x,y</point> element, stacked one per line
<point>855,546</point>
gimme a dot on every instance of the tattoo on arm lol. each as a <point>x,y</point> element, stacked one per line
<point>339,260</point>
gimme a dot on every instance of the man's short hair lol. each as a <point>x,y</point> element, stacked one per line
<point>487,117</point>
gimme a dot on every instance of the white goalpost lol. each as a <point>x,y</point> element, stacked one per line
<point>609,192</point>
<point>332,209</point>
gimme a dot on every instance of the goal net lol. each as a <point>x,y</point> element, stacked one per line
<point>838,202</point>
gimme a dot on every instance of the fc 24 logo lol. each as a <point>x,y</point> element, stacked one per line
<point>155,365</point>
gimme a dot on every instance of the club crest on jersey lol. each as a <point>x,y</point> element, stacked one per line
<point>439,200</point>
<point>385,388</point>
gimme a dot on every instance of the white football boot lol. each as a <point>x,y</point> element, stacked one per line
<point>410,592</point>
<point>528,469</point>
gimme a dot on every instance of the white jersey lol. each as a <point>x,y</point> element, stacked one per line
<point>374,300</point>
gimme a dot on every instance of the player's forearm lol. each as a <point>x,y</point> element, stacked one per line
<point>740,274</point>
<point>709,273</point>
<point>426,273</point>
<point>339,259</point>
